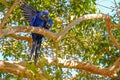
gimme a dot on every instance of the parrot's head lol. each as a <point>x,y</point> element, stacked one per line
<point>44,15</point>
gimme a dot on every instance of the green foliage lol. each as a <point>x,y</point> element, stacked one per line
<point>14,49</point>
<point>87,41</point>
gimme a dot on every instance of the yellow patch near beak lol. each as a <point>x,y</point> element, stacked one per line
<point>48,24</point>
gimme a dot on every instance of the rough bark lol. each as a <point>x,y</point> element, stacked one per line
<point>19,68</point>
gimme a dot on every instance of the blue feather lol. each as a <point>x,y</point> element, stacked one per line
<point>39,20</point>
<point>48,24</point>
<point>36,19</point>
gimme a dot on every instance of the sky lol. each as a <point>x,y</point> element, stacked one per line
<point>100,4</point>
<point>108,6</point>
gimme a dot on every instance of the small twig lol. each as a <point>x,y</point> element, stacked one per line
<point>18,37</point>
<point>115,3</point>
<point>116,66</point>
<point>76,76</point>
<point>104,6</point>
<point>115,26</point>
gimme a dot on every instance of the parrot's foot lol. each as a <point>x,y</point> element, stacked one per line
<point>35,61</point>
<point>31,57</point>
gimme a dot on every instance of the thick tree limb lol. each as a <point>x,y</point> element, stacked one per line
<point>92,16</point>
<point>59,36</point>
<point>38,30</point>
<point>14,68</point>
<point>86,66</point>
<point>86,17</point>
<point>77,21</point>
<point>19,68</point>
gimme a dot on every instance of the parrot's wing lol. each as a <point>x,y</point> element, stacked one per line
<point>28,11</point>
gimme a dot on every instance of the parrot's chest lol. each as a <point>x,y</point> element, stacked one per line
<point>39,23</point>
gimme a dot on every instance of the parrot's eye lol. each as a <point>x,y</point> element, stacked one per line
<point>43,16</point>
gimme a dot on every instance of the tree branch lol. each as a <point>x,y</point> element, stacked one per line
<point>8,13</point>
<point>84,66</point>
<point>116,66</point>
<point>109,27</point>
<point>37,30</point>
<point>77,21</point>
<point>115,26</point>
<point>87,17</point>
<point>18,37</point>
<point>19,68</point>
<point>14,68</point>
<point>59,36</point>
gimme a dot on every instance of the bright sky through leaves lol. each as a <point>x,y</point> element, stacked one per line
<point>106,6</point>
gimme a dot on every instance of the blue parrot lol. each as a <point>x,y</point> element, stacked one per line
<point>36,19</point>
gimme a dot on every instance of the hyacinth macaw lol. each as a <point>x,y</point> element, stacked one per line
<point>36,19</point>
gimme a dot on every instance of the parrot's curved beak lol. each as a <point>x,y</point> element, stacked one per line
<point>44,17</point>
